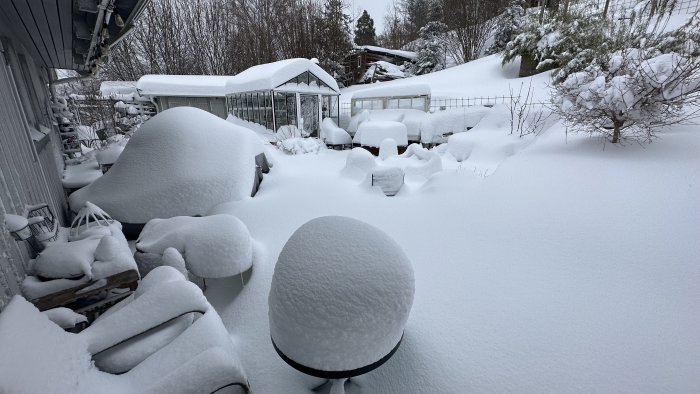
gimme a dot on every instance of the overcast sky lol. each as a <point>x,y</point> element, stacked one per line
<point>376,8</point>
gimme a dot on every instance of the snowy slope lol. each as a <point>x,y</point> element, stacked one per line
<point>483,77</point>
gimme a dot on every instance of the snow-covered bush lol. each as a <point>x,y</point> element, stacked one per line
<point>631,94</point>
<point>563,38</point>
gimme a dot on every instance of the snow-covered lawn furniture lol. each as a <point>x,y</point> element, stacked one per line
<point>370,135</point>
<point>137,335</point>
<point>83,273</point>
<point>334,136</point>
<point>182,162</point>
<point>340,297</point>
<point>389,179</point>
<point>214,246</point>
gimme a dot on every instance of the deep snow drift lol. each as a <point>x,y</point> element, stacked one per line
<point>555,263</point>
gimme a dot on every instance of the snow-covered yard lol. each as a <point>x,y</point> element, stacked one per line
<point>573,267</point>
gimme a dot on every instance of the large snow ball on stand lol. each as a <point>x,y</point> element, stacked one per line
<point>340,297</point>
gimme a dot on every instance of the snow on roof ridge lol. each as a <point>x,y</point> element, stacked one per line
<point>397,52</point>
<point>271,75</point>
<point>412,89</point>
<point>182,85</point>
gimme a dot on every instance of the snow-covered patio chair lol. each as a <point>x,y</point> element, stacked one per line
<point>142,333</point>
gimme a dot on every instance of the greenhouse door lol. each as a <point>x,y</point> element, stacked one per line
<point>309,113</point>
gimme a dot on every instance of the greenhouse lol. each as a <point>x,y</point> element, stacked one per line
<point>410,96</point>
<point>295,92</point>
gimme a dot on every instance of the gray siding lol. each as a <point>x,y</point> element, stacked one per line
<point>214,105</point>
<point>29,170</point>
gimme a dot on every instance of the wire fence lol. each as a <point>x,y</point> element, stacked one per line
<point>442,104</point>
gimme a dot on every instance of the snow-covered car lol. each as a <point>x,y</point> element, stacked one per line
<point>182,162</point>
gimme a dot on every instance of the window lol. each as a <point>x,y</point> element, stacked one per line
<point>418,103</point>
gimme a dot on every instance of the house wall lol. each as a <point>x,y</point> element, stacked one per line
<point>30,163</point>
<point>214,105</point>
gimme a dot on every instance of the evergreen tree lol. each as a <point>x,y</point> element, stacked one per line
<point>364,31</point>
<point>509,25</point>
<point>335,44</point>
<point>430,55</point>
<point>436,11</point>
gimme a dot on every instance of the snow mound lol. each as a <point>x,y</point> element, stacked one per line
<point>300,146</point>
<point>334,135</point>
<point>109,155</point>
<point>388,148</point>
<point>360,159</point>
<point>64,317</point>
<point>185,156</point>
<point>213,246</point>
<point>450,121</point>
<point>340,296</point>
<point>372,133</point>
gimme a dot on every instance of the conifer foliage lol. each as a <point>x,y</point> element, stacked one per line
<point>430,55</point>
<point>364,30</point>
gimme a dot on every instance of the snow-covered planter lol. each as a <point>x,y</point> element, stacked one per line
<point>212,246</point>
<point>340,297</point>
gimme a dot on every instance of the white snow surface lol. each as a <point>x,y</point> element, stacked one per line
<point>334,135</point>
<point>212,246</point>
<point>271,75</point>
<point>183,85</point>
<point>64,317</point>
<point>564,264</point>
<point>340,295</point>
<point>109,155</point>
<point>15,222</point>
<point>386,90</point>
<point>372,133</point>
<point>185,156</point>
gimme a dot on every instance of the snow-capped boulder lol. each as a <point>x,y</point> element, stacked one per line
<point>340,296</point>
<point>182,161</point>
<point>213,246</point>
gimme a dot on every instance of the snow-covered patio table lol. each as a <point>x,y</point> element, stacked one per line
<point>340,298</point>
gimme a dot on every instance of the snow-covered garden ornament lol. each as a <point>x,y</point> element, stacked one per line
<point>90,215</point>
<point>340,297</point>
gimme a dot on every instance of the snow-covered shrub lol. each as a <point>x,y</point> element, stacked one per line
<point>631,94</point>
<point>563,38</point>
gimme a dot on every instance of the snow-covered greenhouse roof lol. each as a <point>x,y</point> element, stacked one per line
<point>282,75</point>
<point>393,52</point>
<point>183,85</point>
<point>412,90</point>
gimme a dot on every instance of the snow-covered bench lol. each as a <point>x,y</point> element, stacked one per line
<point>166,338</point>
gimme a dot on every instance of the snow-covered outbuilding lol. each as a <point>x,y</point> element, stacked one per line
<point>205,92</point>
<point>409,96</point>
<point>378,61</point>
<point>287,92</point>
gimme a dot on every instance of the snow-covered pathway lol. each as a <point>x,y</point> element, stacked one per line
<point>572,268</point>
